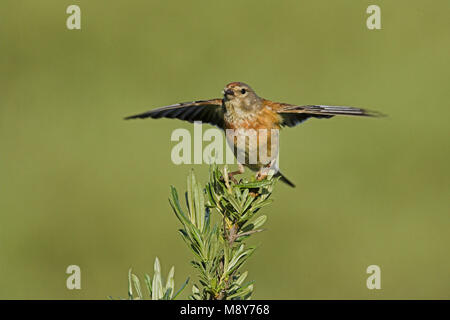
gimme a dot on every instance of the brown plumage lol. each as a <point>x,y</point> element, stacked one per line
<point>242,110</point>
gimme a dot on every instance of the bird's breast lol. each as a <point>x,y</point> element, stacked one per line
<point>253,136</point>
<point>265,118</point>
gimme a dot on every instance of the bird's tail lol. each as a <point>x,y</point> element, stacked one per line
<point>284,179</point>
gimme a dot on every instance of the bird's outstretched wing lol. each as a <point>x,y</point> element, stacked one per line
<point>207,111</point>
<point>292,115</point>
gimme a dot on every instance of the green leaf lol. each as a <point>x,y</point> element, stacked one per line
<point>239,258</point>
<point>175,204</point>
<point>259,221</point>
<point>170,281</point>
<point>157,292</point>
<point>196,292</point>
<point>130,286</point>
<point>137,285</point>
<point>247,202</point>
<point>241,278</point>
<point>202,210</point>
<point>190,201</point>
<point>181,289</point>
<point>148,282</point>
<point>199,212</point>
<point>261,204</point>
<point>242,293</point>
<point>239,253</point>
<point>167,294</point>
<point>235,205</point>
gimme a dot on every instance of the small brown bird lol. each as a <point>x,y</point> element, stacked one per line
<point>241,110</point>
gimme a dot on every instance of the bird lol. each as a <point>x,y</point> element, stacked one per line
<point>241,110</point>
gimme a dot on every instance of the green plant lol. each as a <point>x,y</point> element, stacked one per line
<point>155,287</point>
<point>219,249</point>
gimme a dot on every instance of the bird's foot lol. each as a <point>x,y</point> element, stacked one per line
<point>261,176</point>
<point>265,171</point>
<point>233,173</point>
<point>232,178</point>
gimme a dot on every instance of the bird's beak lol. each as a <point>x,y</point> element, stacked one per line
<point>228,92</point>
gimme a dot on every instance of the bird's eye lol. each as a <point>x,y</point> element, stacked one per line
<point>243,91</point>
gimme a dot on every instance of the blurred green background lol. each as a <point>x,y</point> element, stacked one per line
<point>81,186</point>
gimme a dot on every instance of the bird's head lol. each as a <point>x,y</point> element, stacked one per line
<point>240,95</point>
